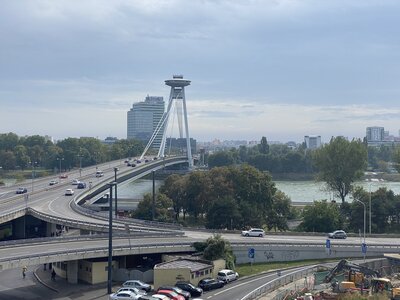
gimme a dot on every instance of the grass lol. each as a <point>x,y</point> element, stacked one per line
<point>257,268</point>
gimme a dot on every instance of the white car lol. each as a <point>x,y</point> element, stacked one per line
<point>161,297</point>
<point>75,182</point>
<point>99,174</point>
<point>338,234</point>
<point>69,192</point>
<point>123,295</point>
<point>254,232</point>
<point>137,284</point>
<point>227,275</point>
<point>133,290</point>
<point>53,182</point>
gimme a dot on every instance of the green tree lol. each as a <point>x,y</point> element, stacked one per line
<point>223,214</point>
<point>162,208</point>
<point>263,147</point>
<point>220,158</point>
<point>321,216</point>
<point>280,213</point>
<point>217,248</point>
<point>340,163</point>
<point>396,159</point>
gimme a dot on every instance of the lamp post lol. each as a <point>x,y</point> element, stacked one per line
<point>116,201</point>
<point>33,172</point>
<point>60,159</point>
<point>109,269</point>
<point>370,216</point>
<point>365,213</point>
<point>80,164</point>
<point>153,209</point>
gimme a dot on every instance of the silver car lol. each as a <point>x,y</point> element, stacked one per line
<point>254,232</point>
<point>338,234</point>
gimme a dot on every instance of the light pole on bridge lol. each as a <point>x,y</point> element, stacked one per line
<point>109,268</point>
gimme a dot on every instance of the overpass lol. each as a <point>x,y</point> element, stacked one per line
<point>49,204</point>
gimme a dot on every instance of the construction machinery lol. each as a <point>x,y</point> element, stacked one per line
<point>360,278</point>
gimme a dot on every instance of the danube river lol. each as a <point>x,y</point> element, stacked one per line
<point>298,191</point>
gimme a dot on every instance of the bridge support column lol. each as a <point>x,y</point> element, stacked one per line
<point>51,229</point>
<point>72,271</point>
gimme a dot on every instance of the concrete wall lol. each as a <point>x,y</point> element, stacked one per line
<point>170,276</point>
<point>288,252</point>
<point>218,264</point>
<point>94,272</point>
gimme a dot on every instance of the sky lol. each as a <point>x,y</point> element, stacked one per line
<point>281,69</point>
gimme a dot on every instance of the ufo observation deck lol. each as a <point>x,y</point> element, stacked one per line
<point>177,81</point>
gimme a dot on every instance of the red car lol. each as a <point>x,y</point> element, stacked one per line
<point>63,176</point>
<point>171,294</point>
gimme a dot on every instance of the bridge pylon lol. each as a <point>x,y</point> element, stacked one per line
<point>177,102</point>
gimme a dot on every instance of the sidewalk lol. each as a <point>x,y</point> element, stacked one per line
<point>61,289</point>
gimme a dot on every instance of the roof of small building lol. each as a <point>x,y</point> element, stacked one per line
<point>193,265</point>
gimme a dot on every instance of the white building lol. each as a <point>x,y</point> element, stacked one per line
<point>143,119</point>
<point>312,141</point>
<point>375,134</point>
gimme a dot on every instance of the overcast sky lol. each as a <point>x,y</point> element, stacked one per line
<point>276,68</point>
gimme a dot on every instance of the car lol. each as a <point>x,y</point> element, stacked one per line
<point>210,284</point>
<point>147,297</point>
<point>137,284</point>
<point>21,190</point>
<point>254,232</point>
<point>188,287</point>
<point>63,176</point>
<point>75,182</point>
<point>81,185</point>
<point>133,165</point>
<point>337,234</point>
<point>99,174</point>
<point>177,290</point>
<point>53,182</point>
<point>146,160</point>
<point>69,192</point>
<point>161,297</point>
<point>171,294</point>
<point>138,161</point>
<point>133,290</point>
<point>123,295</point>
<point>227,275</point>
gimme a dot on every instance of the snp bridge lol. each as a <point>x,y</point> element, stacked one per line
<point>49,204</point>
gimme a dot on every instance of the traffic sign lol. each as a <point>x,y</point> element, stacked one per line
<point>251,253</point>
<point>328,244</point>
<point>364,248</point>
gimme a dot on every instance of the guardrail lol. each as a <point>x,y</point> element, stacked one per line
<point>280,281</point>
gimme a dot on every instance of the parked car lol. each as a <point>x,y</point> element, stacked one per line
<point>21,190</point>
<point>147,297</point>
<point>81,185</point>
<point>133,290</point>
<point>69,192</point>
<point>227,275</point>
<point>123,295</point>
<point>63,176</point>
<point>53,182</point>
<point>75,182</point>
<point>188,287</point>
<point>337,234</point>
<point>254,232</point>
<point>160,297</point>
<point>210,284</point>
<point>177,290</point>
<point>171,294</point>
<point>99,174</point>
<point>137,284</point>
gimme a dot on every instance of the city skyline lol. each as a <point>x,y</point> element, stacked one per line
<point>282,69</point>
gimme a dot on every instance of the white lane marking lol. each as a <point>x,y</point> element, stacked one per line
<point>243,283</point>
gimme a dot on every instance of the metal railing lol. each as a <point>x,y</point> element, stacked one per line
<point>279,282</point>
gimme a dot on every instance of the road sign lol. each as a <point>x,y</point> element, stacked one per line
<point>364,248</point>
<point>251,253</point>
<point>328,244</point>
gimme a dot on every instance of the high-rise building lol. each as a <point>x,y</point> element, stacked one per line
<point>312,142</point>
<point>375,134</point>
<point>143,119</point>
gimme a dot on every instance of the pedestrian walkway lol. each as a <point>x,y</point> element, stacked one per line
<point>62,290</point>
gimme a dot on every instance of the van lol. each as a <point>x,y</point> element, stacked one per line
<point>99,174</point>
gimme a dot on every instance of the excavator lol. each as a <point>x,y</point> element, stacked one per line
<point>361,278</point>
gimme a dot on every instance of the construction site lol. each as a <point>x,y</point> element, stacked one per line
<point>346,279</point>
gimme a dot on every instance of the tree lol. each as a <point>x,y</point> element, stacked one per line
<point>396,159</point>
<point>162,208</point>
<point>263,147</point>
<point>223,214</point>
<point>340,163</point>
<point>217,248</point>
<point>321,216</point>
<point>280,213</point>
<point>220,158</point>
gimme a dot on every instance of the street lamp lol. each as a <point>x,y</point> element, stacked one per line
<point>33,172</point>
<point>80,164</point>
<point>60,159</point>
<point>365,212</point>
<point>116,201</point>
<point>109,271</point>
<point>370,216</point>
